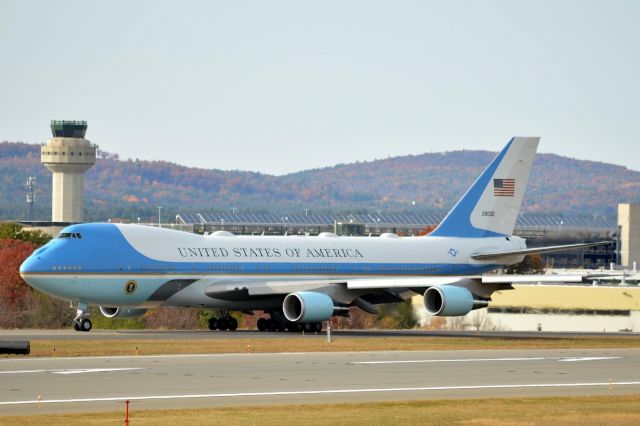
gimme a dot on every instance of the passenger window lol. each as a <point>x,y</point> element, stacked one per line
<point>64,235</point>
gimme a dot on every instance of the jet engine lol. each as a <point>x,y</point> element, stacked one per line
<point>449,301</point>
<point>307,306</point>
<point>122,312</point>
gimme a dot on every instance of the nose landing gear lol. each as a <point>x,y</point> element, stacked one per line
<point>82,322</point>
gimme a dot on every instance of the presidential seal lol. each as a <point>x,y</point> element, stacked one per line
<point>130,287</point>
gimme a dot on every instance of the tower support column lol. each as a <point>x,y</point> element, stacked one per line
<point>67,197</point>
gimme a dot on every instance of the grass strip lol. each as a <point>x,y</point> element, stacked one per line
<point>596,410</point>
<point>127,346</point>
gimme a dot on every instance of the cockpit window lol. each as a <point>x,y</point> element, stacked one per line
<point>67,235</point>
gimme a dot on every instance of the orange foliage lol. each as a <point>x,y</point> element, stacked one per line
<point>427,230</point>
<point>12,253</point>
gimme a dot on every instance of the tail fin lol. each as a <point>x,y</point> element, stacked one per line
<point>490,207</point>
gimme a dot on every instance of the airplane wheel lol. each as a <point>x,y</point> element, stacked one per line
<point>293,327</point>
<point>271,325</point>
<point>233,323</point>
<point>85,324</point>
<point>213,323</point>
<point>262,324</point>
<point>317,326</point>
<point>307,327</point>
<point>76,326</point>
<point>223,324</point>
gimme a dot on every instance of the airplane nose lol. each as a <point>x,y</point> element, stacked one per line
<point>31,264</point>
<point>27,266</point>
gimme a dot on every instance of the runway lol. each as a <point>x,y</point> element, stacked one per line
<point>43,385</point>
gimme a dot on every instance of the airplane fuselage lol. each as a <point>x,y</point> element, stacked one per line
<point>297,281</point>
<point>94,263</point>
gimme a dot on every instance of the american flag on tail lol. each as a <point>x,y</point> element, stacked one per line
<point>504,187</point>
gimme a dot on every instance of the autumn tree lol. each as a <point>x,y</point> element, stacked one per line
<point>21,305</point>
<point>427,230</point>
<point>397,316</point>
<point>531,264</point>
<point>12,253</point>
<point>16,231</point>
<point>13,290</point>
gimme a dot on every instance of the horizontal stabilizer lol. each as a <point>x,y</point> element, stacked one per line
<point>531,279</point>
<point>537,250</point>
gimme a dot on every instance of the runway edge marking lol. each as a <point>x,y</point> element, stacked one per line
<point>433,361</point>
<point>321,392</point>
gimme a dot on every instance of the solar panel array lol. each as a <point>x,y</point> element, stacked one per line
<point>383,219</point>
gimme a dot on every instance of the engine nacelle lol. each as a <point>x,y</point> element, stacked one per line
<point>448,301</point>
<point>307,306</point>
<point>122,312</point>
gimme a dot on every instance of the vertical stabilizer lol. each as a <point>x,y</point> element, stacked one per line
<point>491,206</point>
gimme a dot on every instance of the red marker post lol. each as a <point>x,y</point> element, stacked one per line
<point>126,418</point>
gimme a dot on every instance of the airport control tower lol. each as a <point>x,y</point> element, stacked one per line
<point>68,155</point>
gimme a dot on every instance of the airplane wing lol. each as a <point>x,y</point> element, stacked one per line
<point>230,290</point>
<point>536,250</point>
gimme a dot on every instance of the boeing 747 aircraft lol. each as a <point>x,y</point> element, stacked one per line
<point>299,281</point>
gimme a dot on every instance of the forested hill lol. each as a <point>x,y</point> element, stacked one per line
<point>129,189</point>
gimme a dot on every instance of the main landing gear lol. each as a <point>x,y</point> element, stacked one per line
<point>82,322</point>
<point>277,322</point>
<point>225,322</point>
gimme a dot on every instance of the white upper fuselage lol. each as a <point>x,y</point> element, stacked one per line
<point>444,255</point>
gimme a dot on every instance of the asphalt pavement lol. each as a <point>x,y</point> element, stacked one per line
<point>43,385</point>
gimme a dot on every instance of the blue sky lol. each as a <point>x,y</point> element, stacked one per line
<point>281,86</point>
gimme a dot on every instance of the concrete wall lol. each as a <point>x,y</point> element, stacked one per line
<point>569,297</point>
<point>629,222</point>
<point>563,322</point>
